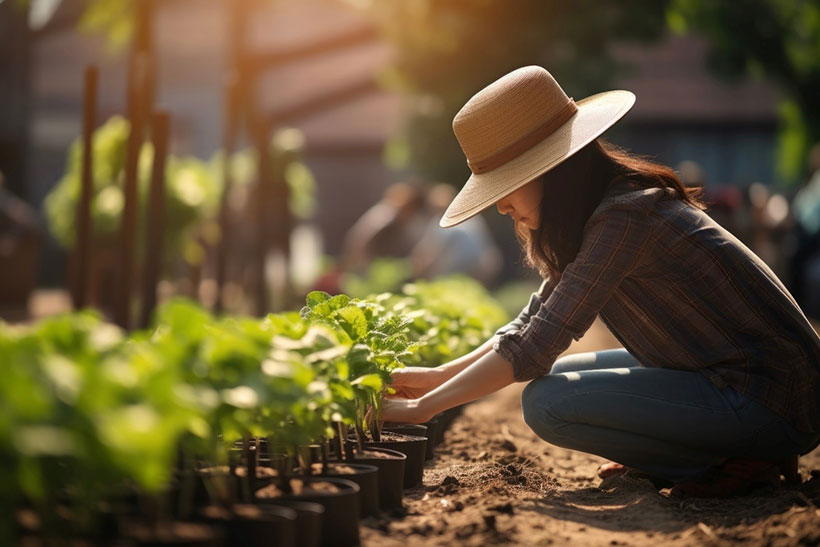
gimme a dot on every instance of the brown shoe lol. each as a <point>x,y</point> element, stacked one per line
<point>612,469</point>
<point>733,477</point>
<point>788,468</point>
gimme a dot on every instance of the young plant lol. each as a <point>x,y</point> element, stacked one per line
<point>378,345</point>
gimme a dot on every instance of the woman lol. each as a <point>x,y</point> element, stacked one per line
<point>718,381</point>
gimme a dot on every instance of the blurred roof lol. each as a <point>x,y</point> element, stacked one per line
<point>672,84</point>
<point>669,78</point>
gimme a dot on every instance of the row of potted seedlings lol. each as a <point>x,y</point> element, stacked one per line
<point>215,431</point>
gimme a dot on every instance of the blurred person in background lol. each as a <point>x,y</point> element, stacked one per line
<point>770,222</point>
<point>805,262</point>
<point>390,228</point>
<point>723,201</point>
<point>717,387</point>
<point>725,205</point>
<point>691,174</point>
<point>467,248</point>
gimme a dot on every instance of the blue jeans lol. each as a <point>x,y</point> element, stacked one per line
<point>672,424</point>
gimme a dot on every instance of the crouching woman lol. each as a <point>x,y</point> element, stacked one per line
<point>718,379</point>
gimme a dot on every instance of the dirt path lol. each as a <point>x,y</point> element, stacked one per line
<point>493,481</point>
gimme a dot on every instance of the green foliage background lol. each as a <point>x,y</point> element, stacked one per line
<point>778,40</point>
<point>447,50</point>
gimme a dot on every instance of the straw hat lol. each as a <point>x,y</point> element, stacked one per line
<point>520,127</point>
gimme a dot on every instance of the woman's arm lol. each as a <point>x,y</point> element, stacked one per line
<point>457,365</point>
<point>486,375</point>
<point>414,382</point>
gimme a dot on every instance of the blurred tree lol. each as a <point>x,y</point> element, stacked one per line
<point>447,50</point>
<point>775,39</point>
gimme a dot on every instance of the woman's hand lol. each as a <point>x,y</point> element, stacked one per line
<point>414,382</point>
<point>410,411</point>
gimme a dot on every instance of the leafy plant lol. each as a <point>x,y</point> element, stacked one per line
<point>191,192</point>
<point>89,414</point>
<point>449,317</point>
<point>379,345</point>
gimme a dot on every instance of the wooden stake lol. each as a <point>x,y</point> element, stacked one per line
<point>228,147</point>
<point>83,220</point>
<point>155,217</point>
<point>140,98</point>
<point>263,199</point>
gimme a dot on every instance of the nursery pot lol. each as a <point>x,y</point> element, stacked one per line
<point>446,418</point>
<point>433,437</point>
<point>309,517</point>
<point>391,473</point>
<point>411,446</point>
<point>174,533</point>
<point>217,479</point>
<point>254,524</point>
<point>427,430</point>
<point>366,476</point>
<point>340,498</point>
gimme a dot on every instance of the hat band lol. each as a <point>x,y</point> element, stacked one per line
<point>526,142</point>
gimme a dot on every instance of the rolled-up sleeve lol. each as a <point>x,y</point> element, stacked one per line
<point>612,245</point>
<point>536,299</point>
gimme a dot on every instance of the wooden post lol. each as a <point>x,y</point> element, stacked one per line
<point>263,223</point>
<point>155,218</point>
<point>83,220</point>
<point>281,227</point>
<point>140,97</point>
<point>228,147</point>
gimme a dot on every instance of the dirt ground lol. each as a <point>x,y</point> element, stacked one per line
<point>493,482</point>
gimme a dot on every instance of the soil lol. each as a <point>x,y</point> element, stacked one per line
<point>182,533</point>
<point>316,468</point>
<point>241,471</point>
<point>240,511</point>
<point>374,454</point>
<point>298,487</point>
<point>391,437</point>
<point>493,481</point>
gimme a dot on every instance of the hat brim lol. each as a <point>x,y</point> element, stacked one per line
<point>595,115</point>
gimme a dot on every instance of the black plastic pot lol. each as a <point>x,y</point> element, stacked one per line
<point>427,430</point>
<point>172,534</point>
<point>417,430</point>
<point>433,434</point>
<point>390,476</point>
<point>254,524</point>
<point>366,476</point>
<point>411,446</point>
<point>309,517</point>
<point>341,521</point>
<point>445,420</point>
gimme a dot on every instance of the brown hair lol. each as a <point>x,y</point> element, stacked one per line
<point>572,191</point>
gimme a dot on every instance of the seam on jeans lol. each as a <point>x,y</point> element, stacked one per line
<point>557,402</point>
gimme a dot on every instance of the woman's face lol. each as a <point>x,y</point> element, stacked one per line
<point>524,205</point>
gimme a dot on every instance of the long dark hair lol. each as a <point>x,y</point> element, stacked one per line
<point>572,191</point>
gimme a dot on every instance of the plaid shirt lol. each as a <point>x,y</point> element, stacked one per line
<point>679,292</point>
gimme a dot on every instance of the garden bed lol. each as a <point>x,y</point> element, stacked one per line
<point>493,481</point>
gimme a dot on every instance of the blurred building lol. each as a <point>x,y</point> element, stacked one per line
<point>682,111</point>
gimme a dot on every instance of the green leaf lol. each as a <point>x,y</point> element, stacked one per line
<point>316,297</point>
<point>372,381</point>
<point>353,322</point>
